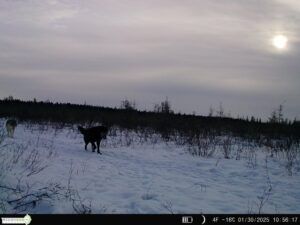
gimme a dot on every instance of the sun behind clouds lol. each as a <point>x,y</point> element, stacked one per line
<point>280,42</point>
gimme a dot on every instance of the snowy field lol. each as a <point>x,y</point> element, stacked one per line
<point>46,170</point>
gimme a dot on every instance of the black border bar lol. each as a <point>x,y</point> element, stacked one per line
<point>158,219</point>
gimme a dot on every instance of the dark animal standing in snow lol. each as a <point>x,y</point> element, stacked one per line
<point>10,127</point>
<point>92,135</point>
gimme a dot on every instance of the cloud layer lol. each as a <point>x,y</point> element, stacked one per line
<point>198,53</point>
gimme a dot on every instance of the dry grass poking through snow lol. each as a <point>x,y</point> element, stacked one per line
<point>45,169</point>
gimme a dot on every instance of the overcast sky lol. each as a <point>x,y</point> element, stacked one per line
<point>197,53</point>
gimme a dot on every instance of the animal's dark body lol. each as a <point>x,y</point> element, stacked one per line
<point>93,135</point>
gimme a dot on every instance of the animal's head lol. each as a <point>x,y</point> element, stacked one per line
<point>103,135</point>
<point>11,122</point>
<point>104,132</point>
<point>81,129</point>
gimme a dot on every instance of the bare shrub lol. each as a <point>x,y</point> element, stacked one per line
<point>18,162</point>
<point>81,206</point>
<point>168,206</point>
<point>264,197</point>
<point>227,146</point>
<point>285,148</point>
<point>18,194</point>
<point>2,135</point>
<point>128,138</point>
<point>25,197</point>
<point>291,156</point>
<point>202,144</point>
<point>239,150</point>
<point>251,158</point>
<point>290,149</point>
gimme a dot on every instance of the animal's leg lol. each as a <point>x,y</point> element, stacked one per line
<point>9,132</point>
<point>93,146</point>
<point>85,146</point>
<point>98,146</point>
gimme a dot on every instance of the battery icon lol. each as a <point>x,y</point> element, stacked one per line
<point>187,219</point>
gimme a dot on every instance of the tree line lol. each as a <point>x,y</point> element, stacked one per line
<point>162,119</point>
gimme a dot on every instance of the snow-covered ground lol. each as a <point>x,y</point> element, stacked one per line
<point>139,178</point>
